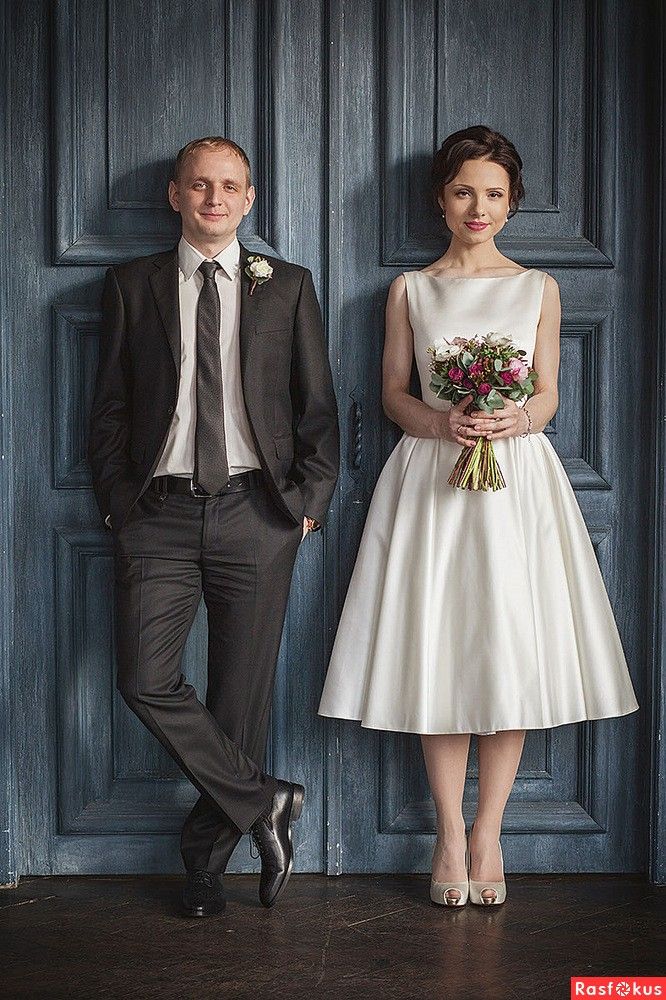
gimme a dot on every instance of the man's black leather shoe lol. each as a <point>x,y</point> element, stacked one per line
<point>203,894</point>
<point>272,835</point>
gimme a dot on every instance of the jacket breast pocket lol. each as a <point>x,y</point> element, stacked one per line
<point>272,331</point>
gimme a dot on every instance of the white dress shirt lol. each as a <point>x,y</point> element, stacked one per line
<point>177,459</point>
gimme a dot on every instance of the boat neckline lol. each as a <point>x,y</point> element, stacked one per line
<point>481,277</point>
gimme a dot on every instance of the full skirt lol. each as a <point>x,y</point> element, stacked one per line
<point>476,612</point>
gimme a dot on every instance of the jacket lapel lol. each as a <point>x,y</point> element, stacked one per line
<point>164,283</point>
<point>248,311</point>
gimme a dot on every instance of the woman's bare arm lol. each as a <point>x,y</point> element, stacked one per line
<point>414,416</point>
<point>544,402</point>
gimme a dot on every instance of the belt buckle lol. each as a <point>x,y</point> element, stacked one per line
<point>201,495</point>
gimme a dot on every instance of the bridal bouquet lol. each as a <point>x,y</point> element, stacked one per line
<point>489,367</point>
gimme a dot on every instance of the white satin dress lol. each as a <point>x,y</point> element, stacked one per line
<point>473,612</point>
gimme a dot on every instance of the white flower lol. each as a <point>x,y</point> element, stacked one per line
<point>260,268</point>
<point>443,349</point>
<point>496,339</point>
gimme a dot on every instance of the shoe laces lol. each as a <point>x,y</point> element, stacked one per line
<point>255,841</point>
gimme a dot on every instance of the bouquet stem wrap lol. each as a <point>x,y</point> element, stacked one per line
<point>477,468</point>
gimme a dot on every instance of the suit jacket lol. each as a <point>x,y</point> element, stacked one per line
<point>285,374</point>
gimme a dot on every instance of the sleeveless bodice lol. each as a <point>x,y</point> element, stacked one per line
<point>444,306</point>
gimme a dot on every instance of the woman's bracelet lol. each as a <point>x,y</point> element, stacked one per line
<point>529,423</point>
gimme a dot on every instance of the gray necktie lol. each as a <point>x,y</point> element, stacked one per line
<point>211,470</point>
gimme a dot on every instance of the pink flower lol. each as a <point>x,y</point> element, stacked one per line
<point>518,369</point>
<point>484,388</point>
<point>456,374</point>
<point>467,382</point>
<point>476,369</point>
<point>507,377</point>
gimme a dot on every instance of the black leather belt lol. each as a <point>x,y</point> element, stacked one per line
<point>187,487</point>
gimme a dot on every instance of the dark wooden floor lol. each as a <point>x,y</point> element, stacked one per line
<point>347,938</point>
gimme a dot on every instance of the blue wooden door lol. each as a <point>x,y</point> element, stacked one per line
<point>340,106</point>
<point>555,78</point>
<point>127,86</point>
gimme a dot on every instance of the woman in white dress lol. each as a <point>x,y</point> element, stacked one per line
<point>474,612</point>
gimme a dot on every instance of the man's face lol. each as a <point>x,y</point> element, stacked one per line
<point>212,196</point>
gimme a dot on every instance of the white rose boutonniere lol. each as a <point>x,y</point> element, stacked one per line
<point>258,270</point>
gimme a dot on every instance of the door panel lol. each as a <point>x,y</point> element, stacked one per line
<point>544,74</point>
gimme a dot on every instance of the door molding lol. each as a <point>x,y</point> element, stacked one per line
<point>8,790</point>
<point>657,826</point>
<point>335,82</point>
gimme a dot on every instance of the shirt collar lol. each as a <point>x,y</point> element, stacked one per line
<point>189,258</point>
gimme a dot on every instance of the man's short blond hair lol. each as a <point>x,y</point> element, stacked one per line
<point>211,142</point>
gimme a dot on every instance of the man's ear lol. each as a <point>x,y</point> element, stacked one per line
<point>250,196</point>
<point>173,196</point>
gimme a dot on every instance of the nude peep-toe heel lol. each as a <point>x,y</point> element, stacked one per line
<point>476,889</point>
<point>440,892</point>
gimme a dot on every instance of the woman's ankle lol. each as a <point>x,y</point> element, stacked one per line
<point>450,829</point>
<point>485,831</point>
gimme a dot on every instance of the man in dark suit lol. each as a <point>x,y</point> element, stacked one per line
<point>214,451</point>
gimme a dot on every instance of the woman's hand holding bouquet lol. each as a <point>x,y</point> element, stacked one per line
<point>491,374</point>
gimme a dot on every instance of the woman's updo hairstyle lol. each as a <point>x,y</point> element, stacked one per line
<point>478,142</point>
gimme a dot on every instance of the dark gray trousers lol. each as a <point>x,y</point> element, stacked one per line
<point>238,550</point>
